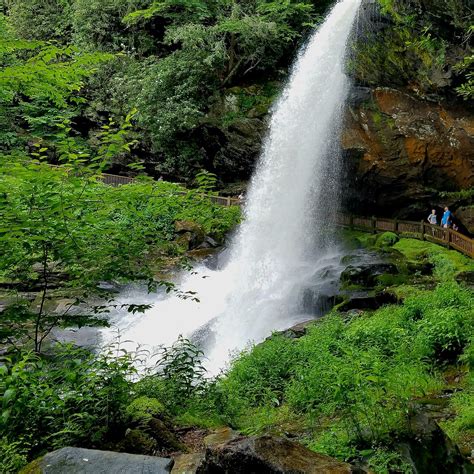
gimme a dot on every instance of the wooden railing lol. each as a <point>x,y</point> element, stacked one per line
<point>118,180</point>
<point>115,180</point>
<point>417,230</point>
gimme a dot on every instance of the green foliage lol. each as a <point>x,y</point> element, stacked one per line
<point>169,95</point>
<point>394,64</point>
<point>423,47</point>
<point>383,461</point>
<point>460,428</point>
<point>466,90</point>
<point>177,376</point>
<point>447,261</point>
<point>257,378</point>
<point>40,20</point>
<point>206,182</point>
<point>199,50</point>
<point>463,195</point>
<point>97,24</point>
<point>39,84</point>
<point>13,456</point>
<point>244,102</point>
<point>65,221</point>
<point>174,10</point>
<point>73,397</point>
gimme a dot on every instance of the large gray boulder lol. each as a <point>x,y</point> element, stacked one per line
<point>92,461</point>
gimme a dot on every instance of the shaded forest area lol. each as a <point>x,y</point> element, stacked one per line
<point>201,75</point>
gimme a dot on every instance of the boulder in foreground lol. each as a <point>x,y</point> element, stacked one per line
<point>268,455</point>
<point>91,461</point>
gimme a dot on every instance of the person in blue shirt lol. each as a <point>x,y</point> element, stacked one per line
<point>446,219</point>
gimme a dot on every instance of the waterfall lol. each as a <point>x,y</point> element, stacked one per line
<point>283,239</point>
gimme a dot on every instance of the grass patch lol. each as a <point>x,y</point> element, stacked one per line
<point>417,250</point>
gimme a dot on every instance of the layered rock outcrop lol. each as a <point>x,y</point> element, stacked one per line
<point>401,152</point>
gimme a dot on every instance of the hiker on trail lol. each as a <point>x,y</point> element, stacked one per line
<point>446,219</point>
<point>432,218</point>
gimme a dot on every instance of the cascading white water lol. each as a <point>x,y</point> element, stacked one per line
<point>280,243</point>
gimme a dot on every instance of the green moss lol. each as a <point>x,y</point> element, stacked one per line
<point>409,51</point>
<point>387,280</point>
<point>377,118</point>
<point>273,420</point>
<point>354,239</point>
<point>142,409</point>
<point>33,467</point>
<point>198,420</point>
<point>387,239</point>
<point>418,250</point>
<point>248,102</point>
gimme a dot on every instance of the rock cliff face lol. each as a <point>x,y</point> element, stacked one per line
<point>402,152</point>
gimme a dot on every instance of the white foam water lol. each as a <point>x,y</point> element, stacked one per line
<point>283,240</point>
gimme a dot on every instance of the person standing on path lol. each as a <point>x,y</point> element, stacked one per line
<point>432,218</point>
<point>446,219</point>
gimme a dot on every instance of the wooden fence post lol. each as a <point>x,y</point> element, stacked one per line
<point>374,225</point>
<point>448,239</point>
<point>228,201</point>
<point>351,221</point>
<point>395,227</point>
<point>422,224</point>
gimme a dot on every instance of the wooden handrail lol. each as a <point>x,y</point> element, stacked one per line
<point>118,180</point>
<point>417,230</point>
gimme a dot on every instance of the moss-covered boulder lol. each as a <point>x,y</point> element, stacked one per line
<point>150,428</point>
<point>137,441</point>
<point>189,234</point>
<point>143,409</point>
<point>366,275</point>
<point>387,239</point>
<point>427,448</point>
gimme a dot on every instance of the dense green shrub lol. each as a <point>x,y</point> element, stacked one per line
<point>257,378</point>
<point>71,397</point>
<point>41,20</point>
<point>97,24</point>
<point>173,59</point>
<point>177,377</point>
<point>142,409</point>
<point>425,47</point>
<point>358,378</point>
<point>460,428</point>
